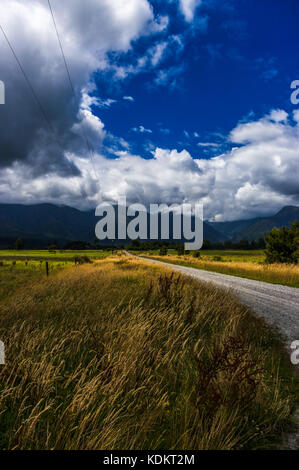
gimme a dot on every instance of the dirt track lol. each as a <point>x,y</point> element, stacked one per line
<point>277,304</point>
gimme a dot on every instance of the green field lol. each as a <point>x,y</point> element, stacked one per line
<point>254,256</point>
<point>58,255</point>
<point>120,354</point>
<point>247,264</point>
<point>17,268</point>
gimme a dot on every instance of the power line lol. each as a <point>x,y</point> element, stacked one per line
<point>41,108</point>
<point>61,48</point>
<point>38,102</point>
<point>90,148</point>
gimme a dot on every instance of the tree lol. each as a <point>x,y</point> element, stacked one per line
<point>76,245</point>
<point>261,243</point>
<point>295,229</point>
<point>19,244</point>
<point>282,245</point>
<point>135,245</point>
<point>206,245</point>
<point>228,244</point>
<point>96,242</point>
<point>181,250</point>
<point>163,250</point>
<point>244,245</point>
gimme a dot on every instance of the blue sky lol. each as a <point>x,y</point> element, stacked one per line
<point>235,61</point>
<point>181,100</point>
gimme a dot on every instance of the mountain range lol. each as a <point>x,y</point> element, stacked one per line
<point>253,229</point>
<point>40,224</point>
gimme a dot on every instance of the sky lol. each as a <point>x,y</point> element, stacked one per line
<point>180,101</point>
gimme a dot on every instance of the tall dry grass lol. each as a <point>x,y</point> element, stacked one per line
<point>122,355</point>
<point>285,274</point>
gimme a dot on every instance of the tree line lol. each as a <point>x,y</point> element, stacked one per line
<point>280,245</point>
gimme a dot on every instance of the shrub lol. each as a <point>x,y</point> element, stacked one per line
<point>282,245</point>
<point>163,251</point>
<point>82,260</point>
<point>196,254</point>
<point>181,250</point>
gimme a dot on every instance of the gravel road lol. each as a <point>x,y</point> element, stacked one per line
<point>278,305</point>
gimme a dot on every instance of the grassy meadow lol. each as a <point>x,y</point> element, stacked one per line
<point>17,268</point>
<point>248,264</point>
<point>55,255</point>
<point>120,354</point>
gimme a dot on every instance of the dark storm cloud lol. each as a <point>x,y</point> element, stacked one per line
<point>88,30</point>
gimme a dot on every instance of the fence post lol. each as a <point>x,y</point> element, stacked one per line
<point>47,268</point>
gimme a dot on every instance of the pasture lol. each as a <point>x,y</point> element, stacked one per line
<point>247,264</point>
<point>17,268</point>
<point>119,354</point>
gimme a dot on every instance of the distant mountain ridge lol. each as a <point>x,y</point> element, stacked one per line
<point>253,229</point>
<point>47,222</point>
<point>44,223</point>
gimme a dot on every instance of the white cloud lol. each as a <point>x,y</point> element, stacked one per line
<point>278,115</point>
<point>89,126</point>
<point>257,178</point>
<point>142,130</point>
<point>268,128</point>
<point>188,8</point>
<point>128,98</point>
<point>151,60</point>
<point>89,30</point>
<point>157,52</point>
<point>105,103</point>
<point>208,144</point>
<point>169,76</point>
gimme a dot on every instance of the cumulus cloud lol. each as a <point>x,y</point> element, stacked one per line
<point>89,30</point>
<point>257,177</point>
<point>188,8</point>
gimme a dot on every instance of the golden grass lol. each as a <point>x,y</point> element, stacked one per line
<point>123,355</point>
<point>285,274</point>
